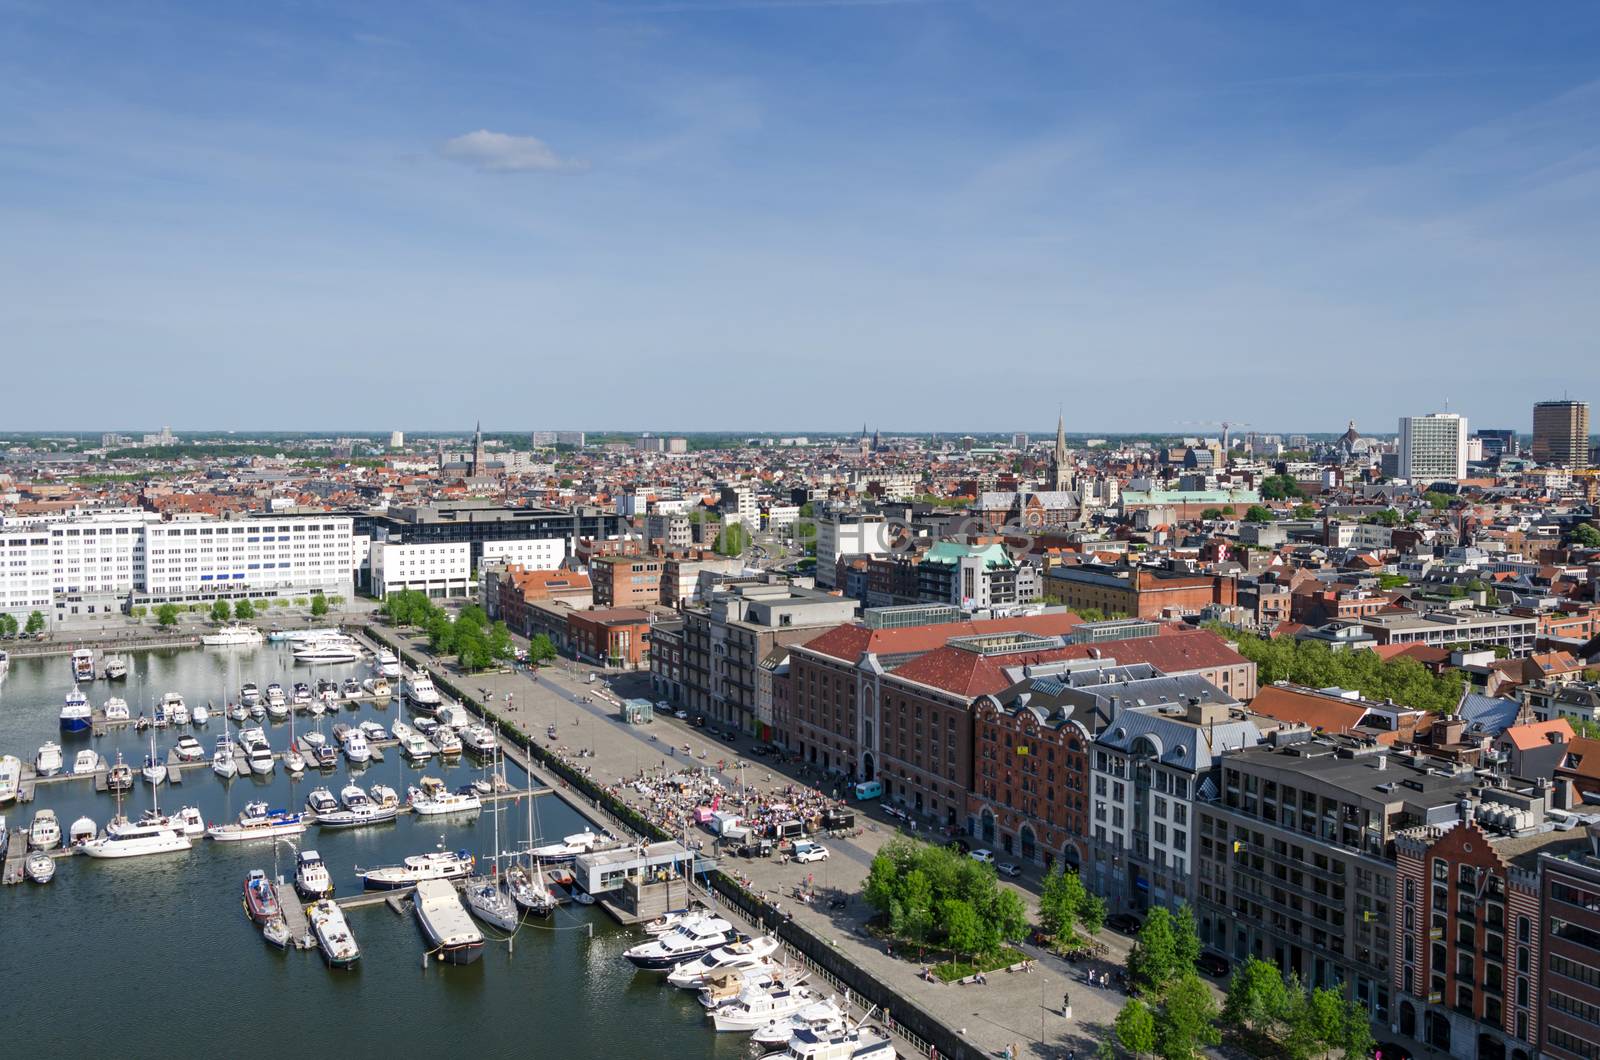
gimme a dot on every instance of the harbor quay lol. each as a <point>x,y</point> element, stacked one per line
<point>578,722</point>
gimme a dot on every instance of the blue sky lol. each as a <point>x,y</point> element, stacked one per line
<point>782,215</point>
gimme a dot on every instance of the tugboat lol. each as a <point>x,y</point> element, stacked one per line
<point>311,877</point>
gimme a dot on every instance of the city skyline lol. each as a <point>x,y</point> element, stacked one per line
<point>314,217</point>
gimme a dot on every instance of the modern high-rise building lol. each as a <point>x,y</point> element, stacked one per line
<point>1433,447</point>
<point>1498,442</point>
<point>1561,433</point>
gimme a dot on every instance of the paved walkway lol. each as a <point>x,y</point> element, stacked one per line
<point>1022,1009</point>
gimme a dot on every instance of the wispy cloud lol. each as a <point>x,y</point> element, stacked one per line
<point>498,152</point>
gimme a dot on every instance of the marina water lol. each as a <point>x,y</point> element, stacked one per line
<point>154,956</point>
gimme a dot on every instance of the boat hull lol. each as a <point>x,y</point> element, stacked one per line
<point>664,962</point>
<point>75,724</point>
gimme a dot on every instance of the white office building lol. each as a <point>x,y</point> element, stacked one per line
<point>847,535</point>
<point>438,569</point>
<point>1433,447</point>
<point>528,553</point>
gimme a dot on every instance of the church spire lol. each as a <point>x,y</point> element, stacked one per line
<point>1058,459</point>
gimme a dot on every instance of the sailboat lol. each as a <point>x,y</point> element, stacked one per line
<point>223,763</point>
<point>526,882</point>
<point>155,770</point>
<point>486,899</point>
<point>293,761</point>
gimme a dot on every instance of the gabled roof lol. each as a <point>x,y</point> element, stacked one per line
<point>1538,734</point>
<point>849,642</point>
<point>1324,713</point>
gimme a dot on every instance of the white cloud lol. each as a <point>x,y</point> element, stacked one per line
<point>497,152</point>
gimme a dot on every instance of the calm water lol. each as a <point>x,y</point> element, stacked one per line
<point>155,953</point>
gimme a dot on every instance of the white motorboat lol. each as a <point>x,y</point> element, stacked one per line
<point>45,832</point>
<point>358,809</point>
<point>820,1017</point>
<point>321,801</point>
<point>256,821</point>
<point>569,847</point>
<point>334,936</point>
<point>335,649</point>
<point>433,799</point>
<point>735,956</point>
<point>40,867</point>
<point>373,732</point>
<point>663,924</point>
<point>301,697</point>
<point>452,935</point>
<point>350,688</point>
<point>124,839</point>
<point>275,710</point>
<point>201,714</point>
<point>249,694</point>
<point>479,739</point>
<point>232,636</point>
<point>177,713</point>
<point>755,1007</point>
<point>311,876</point>
<point>454,716</point>
<point>356,747</point>
<point>85,762</point>
<point>417,747</point>
<point>239,712</point>
<point>186,821</point>
<point>116,668</point>
<point>188,749</point>
<point>296,636</point>
<point>276,932</point>
<point>686,942</point>
<point>82,830</point>
<point>427,726</point>
<point>377,687</point>
<point>259,757</point>
<point>83,664</point>
<point>223,762</point>
<point>384,796</point>
<point>116,709</point>
<point>418,688</point>
<point>275,694</point>
<point>48,762</point>
<point>856,1043</point>
<point>388,663</point>
<point>448,743</point>
<point>76,715</point>
<point>10,778</point>
<point>437,865</point>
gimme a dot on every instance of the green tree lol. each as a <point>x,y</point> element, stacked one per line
<point>1211,515</point>
<point>300,601</point>
<point>220,611</point>
<point>1438,501</point>
<point>36,623</point>
<point>1257,513</point>
<point>541,649</point>
<point>244,610</point>
<point>8,625</point>
<point>1059,900</point>
<point>1257,997</point>
<point>1356,1039</point>
<point>962,928</point>
<point>473,615</point>
<point>167,614</point>
<point>1383,517</point>
<point>1154,960</point>
<point>1186,1021</point>
<point>1136,1028</point>
<point>1586,536</point>
<point>733,540</point>
<point>319,605</point>
<point>1092,913</point>
<point>500,641</point>
<point>1281,488</point>
<point>1305,511</point>
<point>336,601</point>
<point>1185,940</point>
<point>139,612</point>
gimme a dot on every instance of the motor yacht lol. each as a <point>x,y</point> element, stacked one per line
<point>176,711</point>
<point>434,798</point>
<point>384,797</point>
<point>756,1006</point>
<point>334,649</point>
<point>201,714</point>
<point>356,747</point>
<point>824,1018</point>
<point>256,821</point>
<point>275,710</point>
<point>350,688</point>
<point>76,715</point>
<point>686,942</point>
<point>376,687</point>
<point>232,636</point>
<point>735,956</point>
<point>83,664</point>
<point>116,669</point>
<point>10,778</point>
<point>311,877</point>
<point>116,709</point>
<point>120,776</point>
<point>321,801</point>
<point>856,1043</point>
<point>418,688</point>
<point>301,697</point>
<point>448,743</point>
<point>452,935</point>
<point>188,749</point>
<point>259,758</point>
<point>388,663</point>
<point>48,761</point>
<point>479,739</point>
<point>358,809</point>
<point>249,693</point>
<point>436,865</point>
<point>40,867</point>
<point>275,693</point>
<point>337,941</point>
<point>124,839</point>
<point>373,731</point>
<point>569,847</point>
<point>85,762</point>
<point>45,831</point>
<point>240,712</point>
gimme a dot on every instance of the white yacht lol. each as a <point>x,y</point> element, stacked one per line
<point>359,809</point>
<point>437,865</point>
<point>76,715</point>
<point>201,714</point>
<point>356,748</point>
<point>48,762</point>
<point>177,710</point>
<point>249,694</point>
<point>189,749</point>
<point>40,867</point>
<point>454,715</point>
<point>186,821</point>
<point>334,936</point>
<point>734,957</point>
<point>45,832</point>
<point>569,847</point>
<point>321,801</point>
<point>433,799</point>
<point>275,694</point>
<point>452,935</point>
<point>686,942</point>
<point>83,830</point>
<point>479,739</point>
<point>757,1006</point>
<point>10,777</point>
<point>124,839</point>
<point>417,686</point>
<point>86,762</point>
<point>232,636</point>
<point>256,821</point>
<point>275,710</point>
<point>155,769</point>
<point>223,762</point>
<point>120,776</point>
<point>415,746</point>
<point>373,731</point>
<point>116,668</point>
<point>858,1043</point>
<point>328,650</point>
<point>384,797</point>
<point>824,1018</point>
<point>239,711</point>
<point>298,636</point>
<point>448,743</point>
<point>388,663</point>
<point>260,759</point>
<point>116,709</point>
<point>376,687</point>
<point>83,664</point>
<point>311,877</point>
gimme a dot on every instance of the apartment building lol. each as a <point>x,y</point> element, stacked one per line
<point>1142,592</point>
<point>626,581</point>
<point>1569,960</point>
<point>848,534</point>
<point>680,576</point>
<point>617,636</point>
<point>1433,448</point>
<point>439,570</point>
<point>529,553</point>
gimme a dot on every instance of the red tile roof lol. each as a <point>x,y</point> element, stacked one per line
<point>849,642</point>
<point>1537,733</point>
<point>1323,713</point>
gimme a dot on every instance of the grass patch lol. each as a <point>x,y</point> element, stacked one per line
<point>952,970</point>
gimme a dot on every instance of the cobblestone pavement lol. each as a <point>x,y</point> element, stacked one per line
<point>1020,1009</point>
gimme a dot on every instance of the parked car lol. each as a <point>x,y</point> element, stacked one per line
<point>681,715</point>
<point>985,856</point>
<point>806,852</point>
<point>1390,1051</point>
<point>1126,923</point>
<point>1213,964</point>
<point>1009,868</point>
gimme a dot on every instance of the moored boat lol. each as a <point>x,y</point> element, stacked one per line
<point>260,899</point>
<point>116,668</point>
<point>735,956</point>
<point>83,664</point>
<point>40,867</point>
<point>433,799</point>
<point>232,636</point>
<point>435,865</point>
<point>453,936</point>
<point>256,821</point>
<point>686,942</point>
<point>48,761</point>
<point>757,1006</point>
<point>116,709</point>
<point>337,941</point>
<point>45,831</point>
<point>76,715</point>
<point>10,777</point>
<point>85,762</point>
<point>311,876</point>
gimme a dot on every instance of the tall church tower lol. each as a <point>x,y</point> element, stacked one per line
<point>478,461</point>
<point>1060,474</point>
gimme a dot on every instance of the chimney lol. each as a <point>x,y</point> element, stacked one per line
<point>1464,811</point>
<point>1383,762</point>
